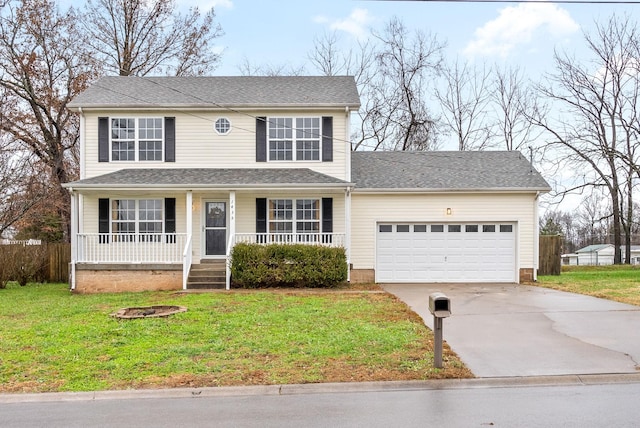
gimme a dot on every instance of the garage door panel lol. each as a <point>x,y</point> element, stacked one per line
<point>424,252</point>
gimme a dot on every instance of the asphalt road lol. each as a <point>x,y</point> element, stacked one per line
<point>563,404</point>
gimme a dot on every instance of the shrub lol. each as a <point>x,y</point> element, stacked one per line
<point>22,264</point>
<point>284,265</point>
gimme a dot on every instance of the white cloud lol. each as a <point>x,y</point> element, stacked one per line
<point>517,25</point>
<point>355,24</point>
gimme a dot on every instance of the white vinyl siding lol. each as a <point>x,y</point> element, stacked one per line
<point>368,210</point>
<point>198,145</point>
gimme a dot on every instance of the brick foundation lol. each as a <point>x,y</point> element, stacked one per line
<point>360,276</point>
<point>526,275</point>
<point>119,278</point>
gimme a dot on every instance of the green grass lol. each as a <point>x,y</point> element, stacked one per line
<point>620,283</point>
<point>53,340</point>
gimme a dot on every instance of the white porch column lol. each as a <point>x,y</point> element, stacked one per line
<point>232,235</point>
<point>74,237</point>
<point>189,213</point>
<point>347,230</point>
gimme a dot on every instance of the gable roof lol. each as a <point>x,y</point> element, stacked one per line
<point>188,178</point>
<point>445,171</point>
<point>594,248</point>
<point>219,91</point>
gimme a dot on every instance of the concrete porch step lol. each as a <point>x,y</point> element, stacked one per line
<point>208,274</point>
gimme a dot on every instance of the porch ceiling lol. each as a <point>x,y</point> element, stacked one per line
<point>209,178</point>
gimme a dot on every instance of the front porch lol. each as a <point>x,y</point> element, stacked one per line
<point>119,220</point>
<point>129,254</point>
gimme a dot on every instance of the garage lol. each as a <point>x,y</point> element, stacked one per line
<point>446,252</point>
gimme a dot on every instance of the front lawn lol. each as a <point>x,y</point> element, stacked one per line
<point>52,340</point>
<point>620,283</point>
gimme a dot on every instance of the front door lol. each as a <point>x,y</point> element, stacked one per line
<point>215,228</point>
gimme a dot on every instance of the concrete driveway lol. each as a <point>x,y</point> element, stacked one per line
<point>518,330</point>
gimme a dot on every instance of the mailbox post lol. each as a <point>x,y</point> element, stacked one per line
<point>440,307</point>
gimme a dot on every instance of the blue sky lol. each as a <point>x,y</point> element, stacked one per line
<point>525,34</point>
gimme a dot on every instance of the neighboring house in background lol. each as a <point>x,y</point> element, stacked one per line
<point>603,254</point>
<point>175,171</point>
<point>596,255</point>
<point>570,259</point>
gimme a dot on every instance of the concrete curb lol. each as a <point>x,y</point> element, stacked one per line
<point>327,388</point>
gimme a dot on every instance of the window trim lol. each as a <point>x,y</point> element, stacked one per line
<point>137,139</point>
<point>228,124</point>
<point>136,220</point>
<point>294,139</point>
<point>294,216</point>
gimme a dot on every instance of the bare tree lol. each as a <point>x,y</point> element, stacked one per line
<point>246,68</point>
<point>594,105</point>
<point>42,67</point>
<point>17,184</point>
<point>515,101</point>
<point>397,114</point>
<point>465,100</point>
<point>138,37</point>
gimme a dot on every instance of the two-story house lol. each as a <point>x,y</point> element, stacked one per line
<point>174,171</point>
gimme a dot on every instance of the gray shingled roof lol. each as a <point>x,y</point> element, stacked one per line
<point>208,178</point>
<point>220,91</point>
<point>437,171</point>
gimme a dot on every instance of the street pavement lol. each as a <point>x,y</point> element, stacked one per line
<point>503,330</point>
<point>565,401</point>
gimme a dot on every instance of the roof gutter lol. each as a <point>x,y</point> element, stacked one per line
<point>274,186</point>
<point>454,190</point>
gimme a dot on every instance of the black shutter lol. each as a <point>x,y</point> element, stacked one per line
<point>261,139</point>
<point>261,217</point>
<point>327,219</point>
<point>327,139</point>
<point>170,219</point>
<point>103,139</point>
<point>103,220</point>
<point>169,139</point>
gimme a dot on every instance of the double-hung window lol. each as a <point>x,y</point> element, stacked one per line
<point>136,139</point>
<point>294,138</point>
<point>300,216</point>
<point>137,216</point>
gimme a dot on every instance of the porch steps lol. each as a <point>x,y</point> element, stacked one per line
<point>208,274</point>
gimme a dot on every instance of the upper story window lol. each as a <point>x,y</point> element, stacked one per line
<point>294,139</point>
<point>136,139</point>
<point>222,126</point>
<point>297,139</point>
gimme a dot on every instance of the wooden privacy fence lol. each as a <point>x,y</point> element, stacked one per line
<point>549,254</point>
<point>52,260</point>
<point>59,258</point>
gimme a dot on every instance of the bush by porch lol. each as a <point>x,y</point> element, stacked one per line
<point>285,265</point>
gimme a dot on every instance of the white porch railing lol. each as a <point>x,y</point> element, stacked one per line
<point>131,248</point>
<point>325,239</point>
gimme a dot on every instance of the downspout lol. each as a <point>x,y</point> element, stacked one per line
<point>74,238</point>
<point>347,230</point>
<point>347,195</point>
<point>347,145</point>
<point>82,145</point>
<point>536,238</point>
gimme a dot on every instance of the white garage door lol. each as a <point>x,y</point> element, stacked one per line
<point>446,252</point>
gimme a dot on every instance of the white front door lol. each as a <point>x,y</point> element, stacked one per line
<point>215,228</point>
